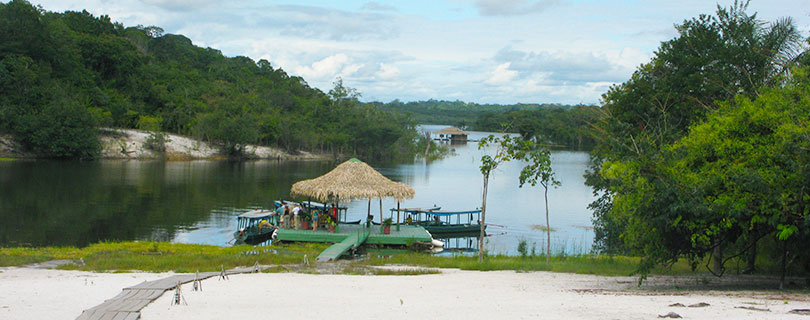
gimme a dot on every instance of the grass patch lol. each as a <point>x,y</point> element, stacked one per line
<point>164,256</point>
<point>542,228</point>
<point>361,268</point>
<point>160,256</point>
<point>7,159</point>
<point>581,264</point>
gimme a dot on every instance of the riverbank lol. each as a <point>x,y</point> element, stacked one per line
<point>31,293</point>
<point>132,144</point>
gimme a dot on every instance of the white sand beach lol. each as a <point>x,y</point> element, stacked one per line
<point>27,293</point>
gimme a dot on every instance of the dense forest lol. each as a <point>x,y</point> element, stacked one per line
<point>456,113</point>
<point>703,153</point>
<point>64,75</point>
<point>569,126</point>
<point>548,123</point>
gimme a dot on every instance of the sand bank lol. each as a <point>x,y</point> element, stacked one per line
<point>27,293</point>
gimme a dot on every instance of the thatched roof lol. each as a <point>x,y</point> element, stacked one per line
<point>353,179</point>
<point>452,131</point>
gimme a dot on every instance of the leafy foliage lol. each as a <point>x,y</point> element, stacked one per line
<point>566,125</point>
<point>690,161</point>
<point>111,75</point>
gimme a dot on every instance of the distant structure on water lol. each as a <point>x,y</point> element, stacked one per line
<point>452,134</point>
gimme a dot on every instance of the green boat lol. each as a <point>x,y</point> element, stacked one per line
<point>445,222</point>
<point>250,230</point>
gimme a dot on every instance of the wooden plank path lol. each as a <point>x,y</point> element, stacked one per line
<point>127,305</point>
<point>353,241</point>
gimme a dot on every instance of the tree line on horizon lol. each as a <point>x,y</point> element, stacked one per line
<point>547,123</point>
<point>64,75</point>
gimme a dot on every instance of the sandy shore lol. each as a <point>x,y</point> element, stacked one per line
<point>53,294</point>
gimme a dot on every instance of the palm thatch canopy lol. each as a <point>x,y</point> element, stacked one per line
<point>353,179</point>
<point>452,131</point>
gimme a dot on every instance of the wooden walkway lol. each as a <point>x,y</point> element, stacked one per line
<point>127,305</point>
<point>351,242</point>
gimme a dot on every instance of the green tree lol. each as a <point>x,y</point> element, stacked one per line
<point>537,170</point>
<point>747,165</point>
<point>714,58</point>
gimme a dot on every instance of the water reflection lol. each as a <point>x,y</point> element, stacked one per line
<point>77,203</point>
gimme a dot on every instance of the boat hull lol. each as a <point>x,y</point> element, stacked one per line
<point>252,237</point>
<point>453,229</point>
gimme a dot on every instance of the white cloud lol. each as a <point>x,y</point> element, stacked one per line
<point>513,7</point>
<point>387,71</point>
<point>375,6</point>
<point>180,4</point>
<point>550,50</point>
<point>502,74</point>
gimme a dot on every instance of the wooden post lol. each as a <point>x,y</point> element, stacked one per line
<point>397,215</point>
<point>381,214</point>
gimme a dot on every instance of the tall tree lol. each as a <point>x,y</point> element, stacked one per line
<point>714,58</point>
<point>537,170</point>
<point>504,152</point>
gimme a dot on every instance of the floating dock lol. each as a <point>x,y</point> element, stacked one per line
<point>351,236</point>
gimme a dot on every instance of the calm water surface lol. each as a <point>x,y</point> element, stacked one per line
<point>77,203</point>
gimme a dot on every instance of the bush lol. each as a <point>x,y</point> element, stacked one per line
<point>61,129</point>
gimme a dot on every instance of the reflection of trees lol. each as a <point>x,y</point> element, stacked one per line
<point>77,203</point>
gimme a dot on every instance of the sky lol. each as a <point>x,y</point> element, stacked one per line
<point>483,51</point>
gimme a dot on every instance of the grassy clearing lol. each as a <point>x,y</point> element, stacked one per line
<point>160,256</point>
<point>164,256</point>
<point>581,264</point>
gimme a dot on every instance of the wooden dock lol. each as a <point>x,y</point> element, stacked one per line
<point>351,242</point>
<point>351,236</point>
<point>127,305</point>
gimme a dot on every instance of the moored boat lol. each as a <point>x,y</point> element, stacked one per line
<point>255,227</point>
<point>444,222</point>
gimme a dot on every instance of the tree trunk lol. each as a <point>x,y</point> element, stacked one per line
<point>718,259</point>
<point>752,256</point>
<point>784,266</point>
<point>548,229</point>
<point>483,218</point>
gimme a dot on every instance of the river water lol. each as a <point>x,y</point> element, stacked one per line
<point>78,203</point>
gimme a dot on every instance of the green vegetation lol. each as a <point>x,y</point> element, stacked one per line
<point>164,256</point>
<point>584,264</point>
<point>161,256</point>
<point>547,123</point>
<point>63,75</point>
<point>702,154</point>
<point>571,126</point>
<point>537,170</point>
<point>457,113</point>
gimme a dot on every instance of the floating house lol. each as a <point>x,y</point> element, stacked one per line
<point>452,134</point>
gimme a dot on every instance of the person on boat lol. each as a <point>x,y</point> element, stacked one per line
<point>265,224</point>
<point>297,217</point>
<point>286,216</point>
<point>410,219</point>
<point>315,219</point>
<point>276,216</point>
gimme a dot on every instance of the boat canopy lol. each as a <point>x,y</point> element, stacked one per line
<point>451,213</point>
<point>256,214</point>
<point>416,210</point>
